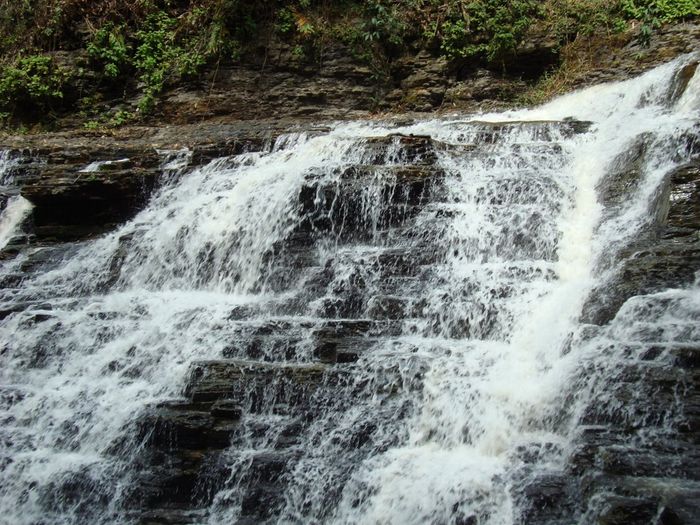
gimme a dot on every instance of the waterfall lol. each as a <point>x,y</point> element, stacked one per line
<point>13,208</point>
<point>16,210</point>
<point>385,322</point>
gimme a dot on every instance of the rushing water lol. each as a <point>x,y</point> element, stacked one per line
<point>487,363</point>
<point>13,208</point>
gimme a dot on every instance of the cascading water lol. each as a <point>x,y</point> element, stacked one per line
<point>447,277</point>
<point>13,208</point>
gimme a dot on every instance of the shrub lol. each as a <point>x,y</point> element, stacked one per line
<point>159,58</point>
<point>108,48</point>
<point>660,10</point>
<point>652,13</point>
<point>32,84</point>
<point>488,29</point>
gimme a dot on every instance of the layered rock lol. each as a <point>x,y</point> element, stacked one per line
<point>623,477</point>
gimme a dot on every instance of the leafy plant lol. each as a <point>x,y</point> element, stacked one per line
<point>383,24</point>
<point>34,83</point>
<point>653,13</point>
<point>120,118</point>
<point>159,58</point>
<point>108,47</point>
<point>660,10</point>
<point>489,28</point>
<point>285,21</point>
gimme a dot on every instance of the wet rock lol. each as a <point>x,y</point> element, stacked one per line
<point>274,377</point>
<point>183,426</point>
<point>387,307</point>
<point>172,517</point>
<point>666,255</point>
<point>263,392</point>
<point>247,382</point>
<point>548,498</point>
<point>627,511</point>
<point>681,81</point>
<point>686,357</point>
<point>70,204</point>
<point>366,200</point>
<point>83,184</point>
<point>341,350</point>
<point>414,149</point>
<point>621,460</point>
<point>226,409</point>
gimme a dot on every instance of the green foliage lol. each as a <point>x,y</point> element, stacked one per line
<point>573,18</point>
<point>488,28</point>
<point>660,10</point>
<point>383,24</point>
<point>285,21</point>
<point>108,48</point>
<point>652,13</point>
<point>120,118</point>
<point>159,57</point>
<point>34,82</point>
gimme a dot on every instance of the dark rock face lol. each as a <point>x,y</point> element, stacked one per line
<point>623,477</point>
<point>188,439</point>
<point>70,205</point>
<point>667,255</point>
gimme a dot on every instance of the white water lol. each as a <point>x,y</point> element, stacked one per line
<point>7,162</point>
<point>474,376</point>
<point>16,210</point>
<point>100,165</point>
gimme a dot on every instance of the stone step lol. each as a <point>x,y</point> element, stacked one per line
<point>483,132</point>
<point>229,403</point>
<point>625,510</point>
<point>549,499</point>
<point>317,268</point>
<point>401,184</point>
<point>399,149</point>
<point>365,199</point>
<point>263,482</point>
<point>266,348</point>
<point>69,198</point>
<point>172,517</point>
<point>254,385</point>
<point>645,395</point>
<point>622,500</point>
<point>196,426</point>
<point>503,159</point>
<point>394,307</point>
<point>621,460</point>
